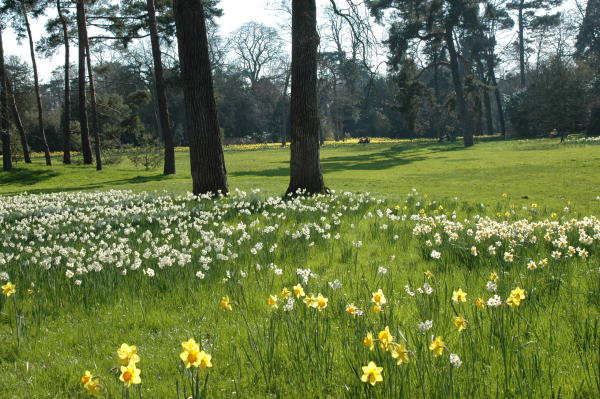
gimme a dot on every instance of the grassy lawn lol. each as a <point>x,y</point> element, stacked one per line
<point>538,171</point>
<point>96,269</point>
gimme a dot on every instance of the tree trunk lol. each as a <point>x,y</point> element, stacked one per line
<point>206,152</point>
<point>161,93</point>
<point>95,125</point>
<point>18,122</point>
<point>86,150</point>
<point>487,105</point>
<point>463,110</point>
<point>522,44</point>
<point>497,95</point>
<point>67,103</point>
<point>4,121</point>
<point>284,115</point>
<point>305,167</point>
<point>38,95</point>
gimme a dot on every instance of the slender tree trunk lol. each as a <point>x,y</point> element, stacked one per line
<point>4,121</point>
<point>206,152</point>
<point>18,122</point>
<point>461,103</point>
<point>522,44</point>
<point>487,105</point>
<point>38,95</point>
<point>161,93</point>
<point>305,166</point>
<point>67,102</point>
<point>497,95</point>
<point>86,149</point>
<point>95,125</point>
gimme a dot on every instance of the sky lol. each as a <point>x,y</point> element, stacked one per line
<point>236,13</point>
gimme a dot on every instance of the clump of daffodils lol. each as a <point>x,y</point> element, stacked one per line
<point>192,356</point>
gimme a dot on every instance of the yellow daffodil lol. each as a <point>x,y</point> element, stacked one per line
<point>298,290</point>
<point>9,289</point>
<point>225,303</point>
<point>372,374</point>
<point>272,301</point>
<point>92,387</point>
<point>128,354</point>
<point>369,342</point>
<point>429,275</point>
<point>285,293</point>
<point>385,338</point>
<point>87,377</point>
<point>437,346</point>
<point>515,298</point>
<point>459,296</point>
<point>376,308</point>
<point>130,375</point>
<point>519,293</point>
<point>310,301</point>
<point>192,356</point>
<point>400,353</point>
<point>493,276</point>
<point>379,298</point>
<point>460,323</point>
<point>480,303</point>
<point>321,302</point>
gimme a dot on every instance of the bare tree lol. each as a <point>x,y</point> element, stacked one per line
<point>258,48</point>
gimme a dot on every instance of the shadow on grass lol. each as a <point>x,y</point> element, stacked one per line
<point>396,155</point>
<point>93,186</point>
<point>26,177</point>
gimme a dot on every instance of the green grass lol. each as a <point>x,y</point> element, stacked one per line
<point>529,171</point>
<point>547,347</point>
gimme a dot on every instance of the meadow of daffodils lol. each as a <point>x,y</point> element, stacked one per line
<point>123,295</point>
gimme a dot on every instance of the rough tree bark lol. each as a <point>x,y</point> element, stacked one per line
<point>206,152</point>
<point>4,121</point>
<point>18,122</point>
<point>86,150</point>
<point>305,166</point>
<point>461,103</point>
<point>67,101</point>
<point>95,125</point>
<point>161,93</point>
<point>38,95</point>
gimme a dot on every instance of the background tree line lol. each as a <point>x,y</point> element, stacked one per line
<point>449,71</point>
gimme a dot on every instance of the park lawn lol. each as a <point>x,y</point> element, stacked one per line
<point>535,171</point>
<point>547,346</point>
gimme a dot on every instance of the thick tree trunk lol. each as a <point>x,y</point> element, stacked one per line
<point>95,125</point>
<point>4,121</point>
<point>206,152</point>
<point>522,45</point>
<point>461,103</point>
<point>18,122</point>
<point>305,167</point>
<point>38,95</point>
<point>161,93</point>
<point>86,149</point>
<point>67,102</point>
<point>497,95</point>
